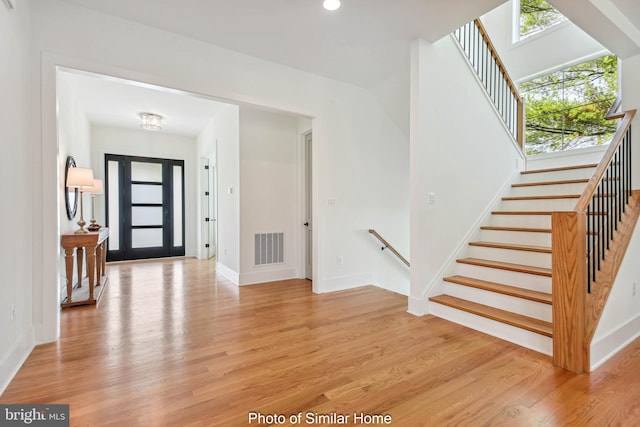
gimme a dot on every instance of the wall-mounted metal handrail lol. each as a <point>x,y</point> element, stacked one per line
<point>391,248</point>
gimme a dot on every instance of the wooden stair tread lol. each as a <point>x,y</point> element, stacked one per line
<point>520,268</point>
<point>552,197</point>
<point>513,319</point>
<point>528,248</point>
<point>558,169</point>
<point>513,291</point>
<point>560,182</point>
<point>522,229</point>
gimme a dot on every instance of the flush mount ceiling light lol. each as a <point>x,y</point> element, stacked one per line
<point>331,4</point>
<point>150,121</point>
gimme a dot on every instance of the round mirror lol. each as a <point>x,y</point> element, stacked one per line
<point>70,194</point>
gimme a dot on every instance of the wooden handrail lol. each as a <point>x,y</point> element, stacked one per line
<point>508,79</point>
<point>391,248</point>
<point>592,185</point>
<point>494,53</point>
<point>513,115</point>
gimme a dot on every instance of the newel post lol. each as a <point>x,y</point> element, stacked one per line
<point>569,290</point>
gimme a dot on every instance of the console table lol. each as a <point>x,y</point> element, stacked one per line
<point>94,243</point>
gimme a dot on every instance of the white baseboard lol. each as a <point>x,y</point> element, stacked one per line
<point>13,360</point>
<point>418,306</point>
<point>606,347</point>
<point>228,273</point>
<point>345,282</point>
<point>267,276</point>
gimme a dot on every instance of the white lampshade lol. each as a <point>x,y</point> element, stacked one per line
<point>79,177</point>
<point>96,188</point>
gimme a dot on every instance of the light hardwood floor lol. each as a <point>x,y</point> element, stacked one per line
<point>172,344</point>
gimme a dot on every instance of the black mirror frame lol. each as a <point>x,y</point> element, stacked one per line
<point>72,206</point>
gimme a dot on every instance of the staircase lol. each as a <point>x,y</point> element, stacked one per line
<point>502,286</point>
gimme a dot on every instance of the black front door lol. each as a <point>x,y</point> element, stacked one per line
<point>145,207</point>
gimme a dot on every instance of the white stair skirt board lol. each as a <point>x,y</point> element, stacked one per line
<point>522,337</point>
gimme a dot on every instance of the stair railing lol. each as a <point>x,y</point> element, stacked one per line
<point>483,57</point>
<point>579,240</point>
<point>606,196</point>
<point>391,248</point>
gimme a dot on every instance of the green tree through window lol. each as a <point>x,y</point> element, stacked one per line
<point>566,109</point>
<point>537,15</point>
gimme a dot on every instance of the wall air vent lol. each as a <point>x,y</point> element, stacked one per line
<point>269,248</point>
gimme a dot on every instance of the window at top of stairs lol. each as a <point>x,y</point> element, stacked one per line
<point>537,16</point>
<point>566,109</point>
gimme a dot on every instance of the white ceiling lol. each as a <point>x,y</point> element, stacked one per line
<point>365,42</point>
<point>613,23</point>
<point>109,101</point>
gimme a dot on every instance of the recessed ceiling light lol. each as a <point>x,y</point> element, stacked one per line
<point>331,4</point>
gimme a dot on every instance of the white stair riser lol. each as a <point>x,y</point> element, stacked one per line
<point>525,307</point>
<point>538,205</point>
<point>535,259</point>
<point>516,237</point>
<point>528,221</point>
<point>557,175</point>
<point>547,190</point>
<point>524,338</point>
<point>506,277</point>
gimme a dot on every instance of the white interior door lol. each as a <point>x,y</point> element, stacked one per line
<point>308,206</point>
<point>207,204</point>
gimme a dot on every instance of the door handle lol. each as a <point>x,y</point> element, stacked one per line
<point>306,224</point>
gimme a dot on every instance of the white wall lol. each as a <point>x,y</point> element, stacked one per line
<point>130,142</point>
<point>562,44</point>
<point>227,127</point>
<point>460,151</point>
<point>74,139</point>
<point>620,320</point>
<point>269,201</point>
<point>631,101</point>
<point>18,224</point>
